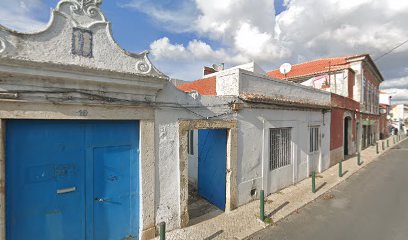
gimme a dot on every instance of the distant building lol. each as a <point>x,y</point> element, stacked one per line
<point>385,115</point>
<point>353,82</point>
<point>400,112</point>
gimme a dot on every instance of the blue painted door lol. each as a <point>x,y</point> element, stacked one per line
<point>113,151</point>
<point>212,160</point>
<point>71,180</point>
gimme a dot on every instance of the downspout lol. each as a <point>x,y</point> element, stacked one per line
<point>263,157</point>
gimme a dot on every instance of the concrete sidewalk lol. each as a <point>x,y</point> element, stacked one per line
<point>243,221</point>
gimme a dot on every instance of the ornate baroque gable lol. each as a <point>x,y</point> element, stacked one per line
<point>79,35</point>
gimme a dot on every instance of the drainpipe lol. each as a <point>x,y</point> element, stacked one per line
<point>264,160</point>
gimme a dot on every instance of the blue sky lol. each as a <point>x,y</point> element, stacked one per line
<point>135,30</point>
<point>185,35</point>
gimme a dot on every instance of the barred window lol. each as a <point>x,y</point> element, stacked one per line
<point>280,148</point>
<point>82,42</point>
<point>314,137</point>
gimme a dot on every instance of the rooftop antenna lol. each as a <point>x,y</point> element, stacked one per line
<point>285,69</point>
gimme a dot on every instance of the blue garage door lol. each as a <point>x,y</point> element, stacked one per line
<point>72,180</point>
<point>212,165</point>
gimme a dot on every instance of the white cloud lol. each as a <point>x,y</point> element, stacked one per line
<point>398,95</point>
<point>258,45</point>
<point>181,62</point>
<point>396,83</point>
<point>163,49</point>
<point>21,15</point>
<point>306,30</point>
<point>244,30</point>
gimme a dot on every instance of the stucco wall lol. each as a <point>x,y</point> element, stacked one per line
<point>337,134</point>
<point>168,193</point>
<point>251,155</point>
<point>238,81</point>
<point>54,44</point>
<point>193,161</point>
<point>357,68</point>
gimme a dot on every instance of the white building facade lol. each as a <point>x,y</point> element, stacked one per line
<point>280,133</point>
<point>77,124</point>
<point>96,139</point>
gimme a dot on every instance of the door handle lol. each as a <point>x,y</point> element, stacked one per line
<point>66,190</point>
<point>101,200</point>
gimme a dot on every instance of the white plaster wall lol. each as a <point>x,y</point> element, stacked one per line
<point>167,152</point>
<point>250,134</point>
<point>227,83</point>
<point>339,83</point>
<point>357,91</point>
<point>251,142</point>
<point>54,44</point>
<point>254,83</point>
<point>398,112</point>
<point>193,161</point>
<point>251,67</point>
<point>385,99</point>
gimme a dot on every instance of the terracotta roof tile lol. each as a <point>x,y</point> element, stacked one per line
<point>206,86</point>
<point>314,67</point>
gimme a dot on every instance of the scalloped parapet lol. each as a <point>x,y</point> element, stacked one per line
<point>59,43</point>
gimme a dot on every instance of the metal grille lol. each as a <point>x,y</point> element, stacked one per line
<point>280,154</point>
<point>314,139</point>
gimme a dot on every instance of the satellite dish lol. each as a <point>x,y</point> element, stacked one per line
<point>285,68</point>
<point>218,67</point>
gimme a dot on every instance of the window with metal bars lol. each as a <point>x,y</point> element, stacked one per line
<point>314,135</point>
<point>280,148</point>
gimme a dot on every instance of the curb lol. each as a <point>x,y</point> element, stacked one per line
<point>318,195</point>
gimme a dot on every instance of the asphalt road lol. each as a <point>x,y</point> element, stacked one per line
<point>372,204</point>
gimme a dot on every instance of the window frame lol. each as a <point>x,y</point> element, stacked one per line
<point>78,42</point>
<point>314,139</point>
<point>283,157</point>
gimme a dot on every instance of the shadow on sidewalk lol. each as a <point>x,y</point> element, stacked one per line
<point>344,173</point>
<point>321,186</point>
<point>278,209</point>
<point>213,236</point>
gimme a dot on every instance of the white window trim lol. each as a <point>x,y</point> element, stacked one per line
<point>315,145</point>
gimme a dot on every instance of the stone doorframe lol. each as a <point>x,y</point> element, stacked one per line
<point>46,111</point>
<point>231,175</point>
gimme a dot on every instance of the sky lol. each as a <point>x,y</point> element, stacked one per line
<point>185,35</point>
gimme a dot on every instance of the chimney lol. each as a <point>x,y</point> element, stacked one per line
<point>208,71</point>
<point>215,68</point>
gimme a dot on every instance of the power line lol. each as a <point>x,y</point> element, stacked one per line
<point>390,51</point>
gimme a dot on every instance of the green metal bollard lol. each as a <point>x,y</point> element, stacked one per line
<point>262,206</point>
<point>162,231</point>
<point>359,162</point>
<point>341,168</point>
<point>383,145</point>
<point>393,139</point>
<point>388,143</point>
<point>313,182</point>
<point>378,150</point>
